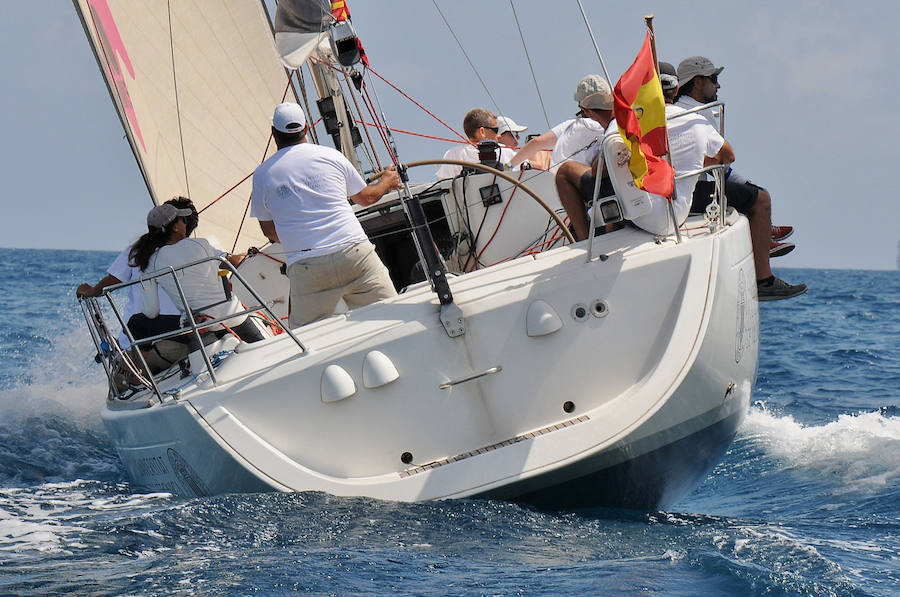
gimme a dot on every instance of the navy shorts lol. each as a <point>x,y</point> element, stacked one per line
<point>741,193</point>
<point>586,187</point>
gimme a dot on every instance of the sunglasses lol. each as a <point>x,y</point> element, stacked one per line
<point>713,78</point>
<point>496,129</point>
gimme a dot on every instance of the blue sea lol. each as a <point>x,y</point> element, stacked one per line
<point>806,501</point>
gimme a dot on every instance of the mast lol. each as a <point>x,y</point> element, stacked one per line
<point>333,110</point>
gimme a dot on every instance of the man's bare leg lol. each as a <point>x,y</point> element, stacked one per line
<point>568,179</point>
<point>761,234</point>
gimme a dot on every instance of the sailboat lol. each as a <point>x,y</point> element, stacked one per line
<point>609,372</point>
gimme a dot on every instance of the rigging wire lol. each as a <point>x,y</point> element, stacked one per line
<point>376,162</point>
<point>426,110</point>
<point>594,40</point>
<point>475,70</point>
<point>530,65</point>
<point>302,83</point>
<point>187,183</point>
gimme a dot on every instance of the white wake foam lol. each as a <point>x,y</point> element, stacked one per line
<point>862,450</point>
<point>63,379</point>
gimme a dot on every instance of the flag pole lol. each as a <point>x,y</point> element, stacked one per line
<point>648,19</point>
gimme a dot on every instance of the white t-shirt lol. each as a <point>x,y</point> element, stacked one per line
<point>201,283</point>
<point>691,138</point>
<point>468,153</point>
<point>121,269</point>
<point>577,139</point>
<point>711,115</point>
<point>304,189</point>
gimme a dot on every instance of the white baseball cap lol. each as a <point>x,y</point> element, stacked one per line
<point>507,124</point>
<point>289,118</point>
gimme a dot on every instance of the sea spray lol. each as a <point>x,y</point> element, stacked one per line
<point>862,450</point>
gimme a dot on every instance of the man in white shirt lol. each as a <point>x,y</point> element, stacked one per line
<point>576,145</point>
<point>300,197</point>
<point>478,125</point>
<point>698,80</point>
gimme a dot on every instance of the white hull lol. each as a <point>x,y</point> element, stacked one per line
<point>658,384</point>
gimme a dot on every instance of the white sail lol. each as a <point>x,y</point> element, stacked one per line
<point>194,83</point>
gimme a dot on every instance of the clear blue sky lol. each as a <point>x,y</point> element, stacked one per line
<point>811,90</point>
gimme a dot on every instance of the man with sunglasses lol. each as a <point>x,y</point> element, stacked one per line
<point>698,80</point>
<point>478,125</point>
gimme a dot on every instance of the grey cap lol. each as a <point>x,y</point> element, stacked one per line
<point>668,77</point>
<point>593,92</point>
<point>696,66</point>
<point>163,215</point>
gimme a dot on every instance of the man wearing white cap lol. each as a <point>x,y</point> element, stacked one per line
<point>508,131</point>
<point>576,145</point>
<point>698,80</point>
<point>300,198</point>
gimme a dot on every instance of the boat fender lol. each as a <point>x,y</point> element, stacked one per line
<point>150,298</point>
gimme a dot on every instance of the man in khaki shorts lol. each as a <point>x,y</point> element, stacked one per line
<point>300,199</point>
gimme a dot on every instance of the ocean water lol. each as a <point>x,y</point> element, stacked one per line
<point>806,501</point>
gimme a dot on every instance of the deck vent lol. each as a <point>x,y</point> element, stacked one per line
<point>336,384</point>
<point>378,370</point>
<point>541,319</point>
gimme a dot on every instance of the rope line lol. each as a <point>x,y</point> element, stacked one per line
<point>426,110</point>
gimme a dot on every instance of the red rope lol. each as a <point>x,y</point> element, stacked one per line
<point>414,134</point>
<point>268,144</point>
<point>211,203</point>
<point>500,221</point>
<point>427,111</point>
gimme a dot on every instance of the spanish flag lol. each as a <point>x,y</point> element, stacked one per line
<point>339,10</point>
<point>640,112</point>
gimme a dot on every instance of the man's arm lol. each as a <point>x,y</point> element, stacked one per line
<point>388,180</point>
<point>268,229</point>
<point>725,156</point>
<point>86,289</point>
<point>530,149</point>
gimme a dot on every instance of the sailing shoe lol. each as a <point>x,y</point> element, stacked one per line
<point>774,288</point>
<point>777,249</point>
<point>780,233</point>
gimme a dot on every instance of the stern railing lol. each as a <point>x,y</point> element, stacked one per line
<point>107,344</point>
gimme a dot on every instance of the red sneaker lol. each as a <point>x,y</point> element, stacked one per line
<point>777,249</point>
<point>780,233</point>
